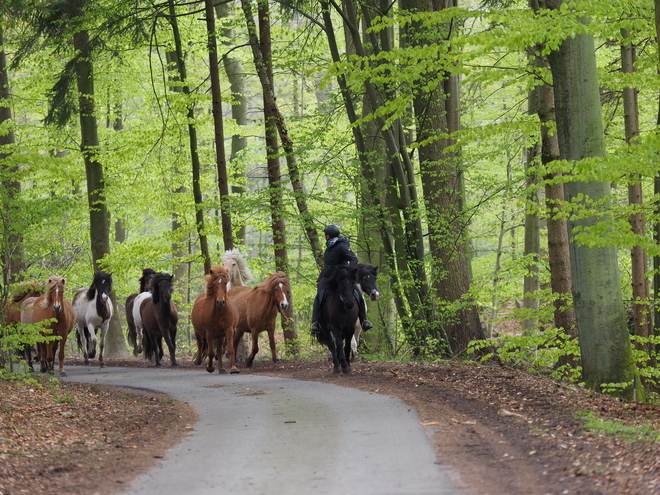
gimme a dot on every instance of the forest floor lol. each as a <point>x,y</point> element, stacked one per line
<point>501,430</point>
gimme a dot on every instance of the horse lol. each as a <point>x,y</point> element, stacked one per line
<point>214,319</point>
<point>27,291</point>
<point>53,307</point>
<point>93,308</point>
<point>159,319</point>
<point>366,283</point>
<point>257,311</point>
<point>239,272</point>
<point>239,276</point>
<point>338,314</point>
<point>134,337</point>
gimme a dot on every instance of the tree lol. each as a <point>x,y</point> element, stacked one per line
<point>604,343</point>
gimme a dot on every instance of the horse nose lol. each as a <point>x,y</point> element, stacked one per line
<point>374,295</point>
<point>220,304</point>
<point>57,308</point>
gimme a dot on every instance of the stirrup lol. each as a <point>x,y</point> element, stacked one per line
<point>366,325</point>
<point>316,328</point>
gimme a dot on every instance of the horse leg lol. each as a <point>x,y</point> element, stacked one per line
<point>238,335</point>
<point>170,346</point>
<point>41,351</point>
<point>271,340</point>
<point>220,343</point>
<point>104,332</point>
<point>200,346</point>
<point>61,357</point>
<point>333,350</point>
<point>231,352</point>
<point>50,356</point>
<point>255,349</point>
<point>210,342</point>
<point>348,340</point>
<point>91,342</point>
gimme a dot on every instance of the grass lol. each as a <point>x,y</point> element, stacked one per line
<point>616,429</point>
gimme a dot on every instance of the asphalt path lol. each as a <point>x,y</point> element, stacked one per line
<point>264,435</point>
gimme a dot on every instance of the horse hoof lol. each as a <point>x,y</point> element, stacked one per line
<point>175,364</point>
<point>62,373</point>
<point>234,371</point>
<point>210,370</point>
<point>346,370</point>
<point>222,371</point>
<point>102,365</point>
<point>86,362</point>
<point>336,369</point>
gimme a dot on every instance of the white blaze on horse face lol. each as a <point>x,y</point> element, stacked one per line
<point>285,301</point>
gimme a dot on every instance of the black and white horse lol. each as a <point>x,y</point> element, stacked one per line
<point>366,284</point>
<point>93,309</point>
<point>135,333</point>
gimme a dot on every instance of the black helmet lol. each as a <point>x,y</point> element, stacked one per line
<point>331,230</point>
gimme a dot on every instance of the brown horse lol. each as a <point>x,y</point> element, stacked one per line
<point>160,318</point>
<point>51,306</point>
<point>12,311</point>
<point>214,319</point>
<point>257,310</point>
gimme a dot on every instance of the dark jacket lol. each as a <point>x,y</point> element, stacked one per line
<point>337,252</point>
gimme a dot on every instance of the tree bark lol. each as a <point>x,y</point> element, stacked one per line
<point>13,262</point>
<point>221,160</point>
<point>192,135</point>
<point>604,343</point>
<point>436,113</point>
<point>99,221</point>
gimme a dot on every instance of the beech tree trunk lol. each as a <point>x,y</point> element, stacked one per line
<point>604,343</point>
<point>99,221</point>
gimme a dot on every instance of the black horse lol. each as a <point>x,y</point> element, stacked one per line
<point>339,312</point>
<point>160,318</point>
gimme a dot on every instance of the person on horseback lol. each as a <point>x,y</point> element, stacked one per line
<point>337,252</point>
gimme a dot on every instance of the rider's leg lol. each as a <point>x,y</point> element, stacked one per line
<point>362,311</point>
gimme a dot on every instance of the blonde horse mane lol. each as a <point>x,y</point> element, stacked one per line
<point>239,272</point>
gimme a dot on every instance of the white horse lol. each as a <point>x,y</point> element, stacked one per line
<point>239,272</point>
<point>239,276</point>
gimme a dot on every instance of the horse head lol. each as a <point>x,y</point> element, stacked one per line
<point>55,292</point>
<point>216,285</point>
<point>279,286</point>
<point>343,282</point>
<point>161,288</point>
<point>366,278</point>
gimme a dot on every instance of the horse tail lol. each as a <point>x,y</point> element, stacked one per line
<point>149,349</point>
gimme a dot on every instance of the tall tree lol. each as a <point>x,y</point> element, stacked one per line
<point>12,250</point>
<point>604,343</point>
<point>436,122</point>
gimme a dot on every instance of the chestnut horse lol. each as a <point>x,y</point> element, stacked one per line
<point>214,319</point>
<point>160,318</point>
<point>93,308</point>
<point>51,306</point>
<point>135,335</point>
<point>257,310</point>
<point>12,312</point>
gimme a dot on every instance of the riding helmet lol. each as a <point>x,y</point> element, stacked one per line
<point>332,231</point>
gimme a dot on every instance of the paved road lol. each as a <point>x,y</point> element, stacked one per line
<point>263,435</point>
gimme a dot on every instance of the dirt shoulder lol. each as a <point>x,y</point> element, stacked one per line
<point>503,431</point>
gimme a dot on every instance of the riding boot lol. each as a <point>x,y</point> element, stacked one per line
<point>316,328</point>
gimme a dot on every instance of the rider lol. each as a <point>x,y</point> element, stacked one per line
<point>338,252</point>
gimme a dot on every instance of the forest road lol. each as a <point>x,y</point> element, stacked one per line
<point>263,435</point>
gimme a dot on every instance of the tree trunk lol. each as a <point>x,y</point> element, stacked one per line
<point>239,108</point>
<point>192,135</point>
<point>99,221</point>
<point>640,290</point>
<point>221,160</point>
<point>13,262</point>
<point>436,113</point>
<point>604,343</point>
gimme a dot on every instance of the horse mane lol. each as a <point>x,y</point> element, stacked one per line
<point>235,255</point>
<point>215,272</point>
<point>338,275</point>
<point>98,277</point>
<point>273,281</point>
<point>145,279</point>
